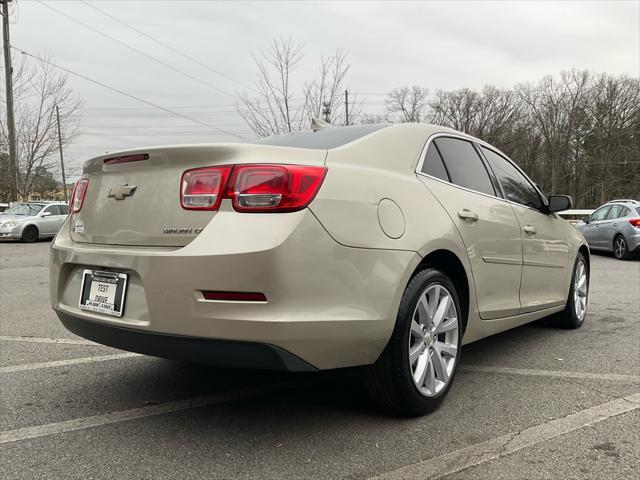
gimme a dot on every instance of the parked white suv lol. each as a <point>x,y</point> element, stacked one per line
<point>32,220</point>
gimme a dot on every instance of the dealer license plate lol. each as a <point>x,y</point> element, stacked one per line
<point>103,292</point>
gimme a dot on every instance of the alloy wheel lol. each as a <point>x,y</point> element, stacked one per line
<point>580,287</point>
<point>433,340</point>
<point>620,247</point>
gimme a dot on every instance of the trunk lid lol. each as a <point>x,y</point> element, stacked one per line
<point>151,214</point>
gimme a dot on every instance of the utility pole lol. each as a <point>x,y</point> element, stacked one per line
<point>346,107</point>
<point>326,111</point>
<point>8,74</point>
<point>64,177</point>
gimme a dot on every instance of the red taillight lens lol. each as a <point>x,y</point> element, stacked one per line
<point>202,188</point>
<point>79,192</point>
<point>635,222</point>
<point>274,188</point>
<point>126,159</point>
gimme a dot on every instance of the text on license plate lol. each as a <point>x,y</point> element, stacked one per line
<point>103,292</point>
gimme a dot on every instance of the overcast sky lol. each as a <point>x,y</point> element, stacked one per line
<point>436,44</point>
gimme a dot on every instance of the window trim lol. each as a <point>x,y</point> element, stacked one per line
<point>423,153</point>
<point>473,140</point>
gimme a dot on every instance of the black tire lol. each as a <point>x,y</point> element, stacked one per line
<point>30,234</point>
<point>620,248</point>
<point>389,381</point>
<point>568,318</point>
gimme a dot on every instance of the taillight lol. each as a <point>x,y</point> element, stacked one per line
<point>274,188</point>
<point>79,192</point>
<point>635,222</point>
<point>126,158</point>
<point>203,188</point>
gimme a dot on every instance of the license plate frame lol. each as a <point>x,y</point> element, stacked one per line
<point>103,292</point>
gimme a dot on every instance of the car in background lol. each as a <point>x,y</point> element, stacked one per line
<point>31,221</point>
<point>614,227</point>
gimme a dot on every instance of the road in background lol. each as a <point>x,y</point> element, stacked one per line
<point>535,402</point>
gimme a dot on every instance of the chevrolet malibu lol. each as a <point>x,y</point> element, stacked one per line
<point>383,247</point>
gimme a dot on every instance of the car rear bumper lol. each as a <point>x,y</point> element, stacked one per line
<point>329,305</point>
<point>633,243</point>
<point>219,353</point>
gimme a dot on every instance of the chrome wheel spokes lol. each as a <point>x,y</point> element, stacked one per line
<point>433,340</point>
<point>580,290</point>
<point>619,247</point>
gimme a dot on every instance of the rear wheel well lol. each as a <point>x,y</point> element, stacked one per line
<point>448,263</point>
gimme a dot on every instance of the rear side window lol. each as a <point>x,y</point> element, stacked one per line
<point>616,211</point>
<point>464,165</point>
<point>64,209</point>
<point>433,164</point>
<point>638,210</point>
<point>53,210</point>
<point>515,186</point>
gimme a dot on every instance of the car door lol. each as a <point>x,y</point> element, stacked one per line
<point>591,230</point>
<point>61,216</point>
<point>48,223</point>
<point>456,175</point>
<point>545,257</point>
<point>609,226</point>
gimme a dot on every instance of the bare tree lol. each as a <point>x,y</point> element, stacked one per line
<point>38,88</point>
<point>274,110</point>
<point>407,104</point>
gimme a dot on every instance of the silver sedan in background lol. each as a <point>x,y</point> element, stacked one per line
<point>32,220</point>
<point>614,227</point>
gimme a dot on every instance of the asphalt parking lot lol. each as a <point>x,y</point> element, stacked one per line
<point>535,402</point>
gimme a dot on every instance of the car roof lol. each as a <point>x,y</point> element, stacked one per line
<point>626,201</point>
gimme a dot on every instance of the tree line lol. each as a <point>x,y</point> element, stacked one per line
<point>576,133</point>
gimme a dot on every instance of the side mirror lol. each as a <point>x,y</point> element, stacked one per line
<point>558,203</point>
<point>585,219</point>
<point>46,214</point>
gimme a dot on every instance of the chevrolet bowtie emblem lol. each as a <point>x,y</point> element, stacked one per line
<point>122,191</point>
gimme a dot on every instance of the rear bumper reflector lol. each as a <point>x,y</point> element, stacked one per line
<point>234,296</point>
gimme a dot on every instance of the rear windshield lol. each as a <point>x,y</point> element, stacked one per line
<point>332,137</point>
<point>638,210</point>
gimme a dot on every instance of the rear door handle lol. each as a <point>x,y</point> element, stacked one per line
<point>467,215</point>
<point>529,229</point>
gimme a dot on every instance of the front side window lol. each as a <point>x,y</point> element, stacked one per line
<point>600,214</point>
<point>514,184</point>
<point>433,164</point>
<point>464,165</point>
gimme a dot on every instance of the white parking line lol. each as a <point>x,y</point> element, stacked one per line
<point>26,433</point>
<point>498,447</point>
<point>550,373</point>
<point>66,363</point>
<point>66,341</point>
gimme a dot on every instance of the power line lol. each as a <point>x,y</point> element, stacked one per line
<point>175,50</point>
<point>578,164</point>
<point>139,52</point>
<point>121,92</point>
